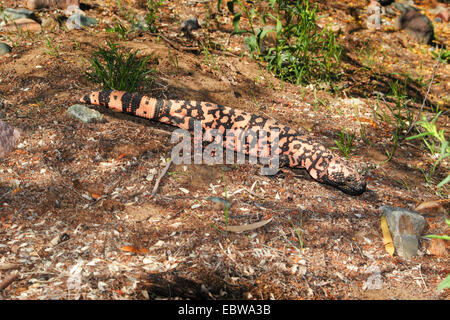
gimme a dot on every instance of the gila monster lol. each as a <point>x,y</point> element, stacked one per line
<point>295,149</point>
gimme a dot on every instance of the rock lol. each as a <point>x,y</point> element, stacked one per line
<point>4,49</point>
<point>24,24</point>
<point>374,19</point>
<point>83,113</point>
<point>417,25</point>
<point>389,11</point>
<point>13,14</point>
<point>72,9</point>
<point>60,4</point>
<point>374,281</point>
<point>78,21</point>
<point>403,6</point>
<point>221,201</point>
<point>190,24</point>
<point>8,138</point>
<point>406,227</point>
<point>385,2</point>
<point>141,24</point>
<point>50,24</point>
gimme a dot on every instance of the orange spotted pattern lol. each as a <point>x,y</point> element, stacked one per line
<point>294,149</point>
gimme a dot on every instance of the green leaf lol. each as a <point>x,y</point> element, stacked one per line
<point>279,26</point>
<point>230,5</point>
<point>443,182</point>
<point>263,33</point>
<point>419,135</point>
<point>236,19</point>
<point>445,283</point>
<point>435,236</point>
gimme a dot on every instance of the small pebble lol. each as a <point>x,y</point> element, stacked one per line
<point>4,49</point>
<point>84,114</point>
<point>78,21</point>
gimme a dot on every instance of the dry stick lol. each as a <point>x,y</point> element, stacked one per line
<point>183,48</point>
<point>428,91</point>
<point>421,277</point>
<point>175,45</point>
<point>158,181</point>
<point>9,279</point>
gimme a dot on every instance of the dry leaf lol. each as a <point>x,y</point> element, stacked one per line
<point>7,266</point>
<point>95,196</point>
<point>430,207</point>
<point>134,249</point>
<point>387,239</point>
<point>247,227</point>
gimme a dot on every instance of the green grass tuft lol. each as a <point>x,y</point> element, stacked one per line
<point>118,69</point>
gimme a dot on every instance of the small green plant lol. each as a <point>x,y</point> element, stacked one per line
<point>118,69</point>
<point>399,116</point>
<point>226,206</point>
<point>173,58</point>
<point>302,52</point>
<point>345,143</point>
<point>126,13</point>
<point>76,43</point>
<point>209,57</point>
<point>120,29</point>
<point>152,15</point>
<point>318,101</point>
<point>52,47</point>
<point>436,144</point>
<point>367,56</point>
<point>256,35</point>
<point>445,55</point>
<point>299,230</point>
<point>446,282</point>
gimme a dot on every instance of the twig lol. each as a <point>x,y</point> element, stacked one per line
<point>178,47</point>
<point>158,181</point>
<point>428,91</point>
<point>9,279</point>
<point>421,277</point>
<point>7,266</point>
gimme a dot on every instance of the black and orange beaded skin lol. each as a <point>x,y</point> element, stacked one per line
<point>295,150</point>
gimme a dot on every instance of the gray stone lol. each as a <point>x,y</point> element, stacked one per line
<point>72,9</point>
<point>14,14</point>
<point>4,49</point>
<point>83,113</point>
<point>375,280</point>
<point>140,24</point>
<point>78,21</point>
<point>417,25</point>
<point>190,24</point>
<point>406,227</point>
<point>222,201</point>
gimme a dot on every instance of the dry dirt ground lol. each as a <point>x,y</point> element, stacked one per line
<point>76,217</point>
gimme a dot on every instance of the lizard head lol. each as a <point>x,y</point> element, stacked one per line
<point>344,177</point>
